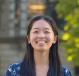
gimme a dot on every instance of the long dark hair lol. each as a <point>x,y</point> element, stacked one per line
<point>28,65</point>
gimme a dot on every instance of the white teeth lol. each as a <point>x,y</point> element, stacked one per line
<point>41,41</point>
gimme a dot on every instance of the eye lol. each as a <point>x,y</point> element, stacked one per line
<point>36,31</point>
<point>47,32</point>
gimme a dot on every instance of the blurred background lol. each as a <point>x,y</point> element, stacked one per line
<point>14,16</point>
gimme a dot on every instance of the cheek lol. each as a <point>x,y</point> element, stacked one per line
<point>32,38</point>
<point>52,38</point>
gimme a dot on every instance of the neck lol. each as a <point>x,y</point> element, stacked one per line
<point>41,57</point>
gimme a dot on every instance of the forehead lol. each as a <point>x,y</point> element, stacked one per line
<point>41,24</point>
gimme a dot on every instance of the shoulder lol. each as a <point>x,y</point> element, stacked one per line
<point>13,69</point>
<point>66,71</point>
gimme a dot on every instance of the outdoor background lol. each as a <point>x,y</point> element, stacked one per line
<point>14,16</point>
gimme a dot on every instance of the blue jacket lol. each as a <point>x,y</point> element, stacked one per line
<point>14,69</point>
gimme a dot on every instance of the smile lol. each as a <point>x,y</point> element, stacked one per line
<point>41,42</point>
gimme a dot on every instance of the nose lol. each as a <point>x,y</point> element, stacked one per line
<point>41,35</point>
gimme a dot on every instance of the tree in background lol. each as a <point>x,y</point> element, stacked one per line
<point>51,11</point>
<point>69,10</point>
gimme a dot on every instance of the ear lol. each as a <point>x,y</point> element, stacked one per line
<point>28,39</point>
<point>55,39</point>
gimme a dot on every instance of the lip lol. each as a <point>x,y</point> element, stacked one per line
<point>41,42</point>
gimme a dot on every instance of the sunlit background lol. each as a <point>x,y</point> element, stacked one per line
<point>14,16</point>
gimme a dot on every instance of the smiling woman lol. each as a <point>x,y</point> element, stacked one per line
<point>41,58</point>
<point>41,36</point>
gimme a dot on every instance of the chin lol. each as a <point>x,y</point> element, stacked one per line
<point>41,49</point>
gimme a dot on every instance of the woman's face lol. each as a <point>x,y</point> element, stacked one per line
<point>41,35</point>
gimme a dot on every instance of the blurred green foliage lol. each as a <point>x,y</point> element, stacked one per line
<point>69,10</point>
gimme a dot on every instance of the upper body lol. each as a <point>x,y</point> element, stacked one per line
<point>42,56</point>
<point>14,70</point>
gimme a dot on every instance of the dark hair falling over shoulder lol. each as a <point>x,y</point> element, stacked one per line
<point>28,64</point>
